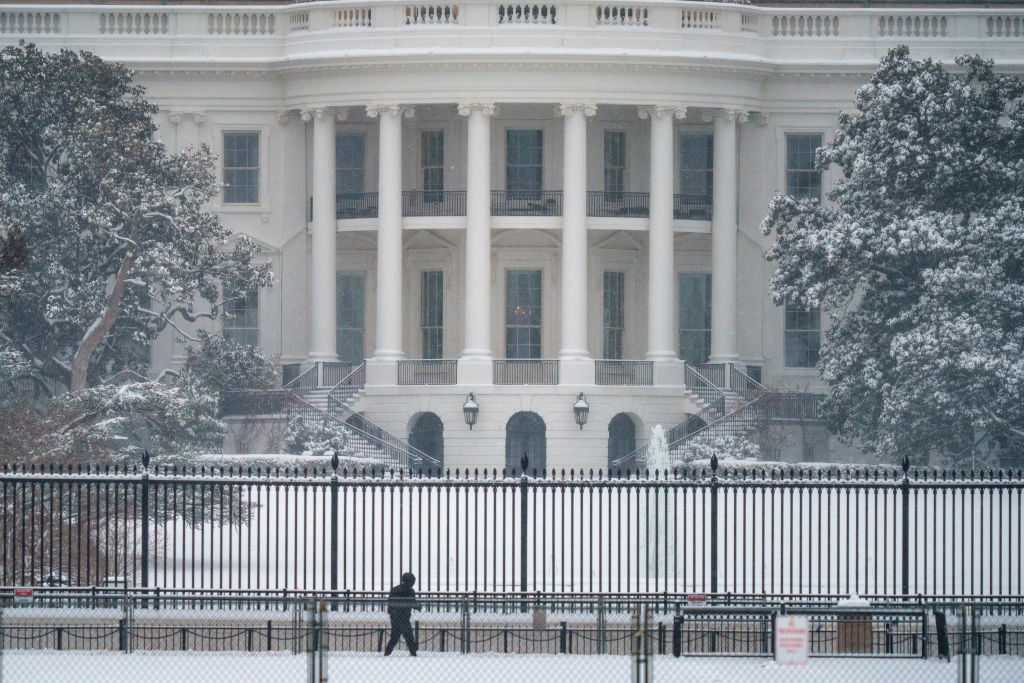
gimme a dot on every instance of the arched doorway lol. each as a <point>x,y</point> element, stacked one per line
<point>621,440</point>
<point>525,432</point>
<point>427,434</point>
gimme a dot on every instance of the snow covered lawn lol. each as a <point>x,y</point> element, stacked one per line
<point>32,667</point>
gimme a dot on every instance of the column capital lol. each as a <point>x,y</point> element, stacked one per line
<point>397,110</point>
<point>199,117</point>
<point>174,117</point>
<point>588,109</point>
<point>319,113</point>
<point>730,115</point>
<point>284,117</point>
<point>676,111</point>
<point>485,108</point>
<point>763,118</point>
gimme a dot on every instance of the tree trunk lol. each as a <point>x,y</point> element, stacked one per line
<point>99,329</point>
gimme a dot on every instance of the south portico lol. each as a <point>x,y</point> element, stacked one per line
<point>483,208</point>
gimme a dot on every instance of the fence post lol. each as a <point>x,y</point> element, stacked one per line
<point>145,522</point>
<point>906,526</point>
<point>523,536</point>
<point>714,524</point>
<point>563,626</point>
<point>465,627</point>
<point>334,530</point>
<point>1002,639</point>
<point>677,635</point>
<point>602,627</point>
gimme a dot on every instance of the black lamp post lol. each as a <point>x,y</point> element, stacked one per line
<point>582,409</point>
<point>470,409</point>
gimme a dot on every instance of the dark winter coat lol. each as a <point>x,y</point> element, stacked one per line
<point>401,602</point>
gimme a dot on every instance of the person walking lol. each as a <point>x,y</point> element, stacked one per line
<point>401,602</point>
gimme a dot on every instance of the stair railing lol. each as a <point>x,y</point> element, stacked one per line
<point>368,441</point>
<point>348,386</point>
<point>305,380</point>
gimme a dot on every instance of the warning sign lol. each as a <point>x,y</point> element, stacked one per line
<point>22,597</point>
<point>792,639</point>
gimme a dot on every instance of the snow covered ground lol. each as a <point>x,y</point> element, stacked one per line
<point>40,667</point>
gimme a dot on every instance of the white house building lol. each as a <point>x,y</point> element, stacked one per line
<point>521,201</point>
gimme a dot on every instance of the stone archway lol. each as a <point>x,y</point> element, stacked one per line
<point>526,433</point>
<point>427,434</point>
<point>621,439</point>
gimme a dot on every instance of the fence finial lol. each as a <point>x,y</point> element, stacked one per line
<point>334,462</point>
<point>906,464</point>
<point>714,463</point>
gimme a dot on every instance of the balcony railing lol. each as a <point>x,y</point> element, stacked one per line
<point>428,371</point>
<point>618,204</point>
<point>526,203</point>
<point>356,205</point>
<point>254,402</point>
<point>792,406</point>
<point>434,203</point>
<point>688,207</point>
<point>626,373</point>
<point>525,371</point>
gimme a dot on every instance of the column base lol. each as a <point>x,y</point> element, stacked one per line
<point>382,372</point>
<point>669,372</point>
<point>476,370</point>
<point>576,371</point>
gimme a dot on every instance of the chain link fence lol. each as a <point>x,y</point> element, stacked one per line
<point>120,638</point>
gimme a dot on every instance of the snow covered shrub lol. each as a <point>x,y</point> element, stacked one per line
<point>322,438</point>
<point>725,447</point>
<point>918,258</point>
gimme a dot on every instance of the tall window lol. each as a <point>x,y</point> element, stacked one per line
<point>696,174</point>
<point>524,162</point>
<point>242,318</point>
<point>432,160</point>
<point>695,317</point>
<point>522,314</point>
<point>614,313</point>
<point>802,336</point>
<point>432,313</point>
<point>614,162</point>
<point>351,307</point>
<point>241,167</point>
<point>350,163</point>
<point>803,179</point>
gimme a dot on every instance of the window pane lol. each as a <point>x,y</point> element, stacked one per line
<point>614,161</point>
<point>241,318</point>
<point>524,165</point>
<point>432,313</point>
<point>432,159</point>
<point>350,163</point>
<point>241,167</point>
<point>695,317</point>
<point>803,179</point>
<point>350,312</point>
<point>614,313</point>
<point>802,337</point>
<point>522,313</point>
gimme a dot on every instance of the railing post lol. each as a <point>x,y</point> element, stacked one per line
<point>714,524</point>
<point>523,535</point>
<point>334,530</point>
<point>906,527</point>
<point>145,522</point>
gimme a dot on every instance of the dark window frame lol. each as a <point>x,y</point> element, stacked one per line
<point>613,330</point>
<point>803,176</point>
<point>689,349</point>
<point>241,164</point>
<point>524,320</point>
<point>432,313</point>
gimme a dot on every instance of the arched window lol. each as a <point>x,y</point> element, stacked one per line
<point>427,434</point>
<point>621,441</point>
<point>525,433</point>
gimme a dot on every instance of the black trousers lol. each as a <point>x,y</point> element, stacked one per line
<point>401,629</point>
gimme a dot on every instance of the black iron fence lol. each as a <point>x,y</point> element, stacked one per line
<point>526,203</point>
<point>433,371</point>
<point>355,205</point>
<point>525,371</point>
<point>433,202</point>
<point>874,531</point>
<point>624,372</point>
<point>692,207</point>
<point>618,204</point>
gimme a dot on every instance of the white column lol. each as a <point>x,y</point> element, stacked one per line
<point>322,283</point>
<point>574,356</point>
<point>477,354</point>
<point>661,345</point>
<point>723,239</point>
<point>389,232</point>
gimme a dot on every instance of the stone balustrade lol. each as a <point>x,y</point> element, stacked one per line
<point>730,30</point>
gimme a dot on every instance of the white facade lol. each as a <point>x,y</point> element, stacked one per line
<point>297,76</point>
